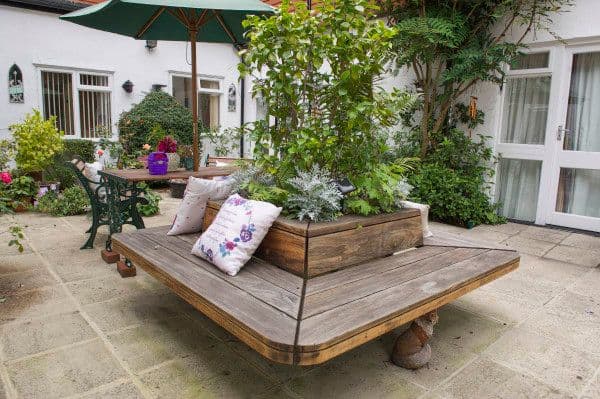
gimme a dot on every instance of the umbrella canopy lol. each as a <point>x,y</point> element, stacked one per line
<point>212,21</point>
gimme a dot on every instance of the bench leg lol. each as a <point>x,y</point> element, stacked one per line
<point>412,349</point>
<point>126,268</point>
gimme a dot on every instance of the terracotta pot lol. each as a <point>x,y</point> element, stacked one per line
<point>173,161</point>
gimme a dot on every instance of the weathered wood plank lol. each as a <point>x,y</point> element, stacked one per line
<point>352,291</point>
<point>351,222</point>
<point>351,247</point>
<point>262,290</point>
<point>233,308</point>
<point>327,328</point>
<point>359,272</point>
<point>137,175</point>
<point>308,358</point>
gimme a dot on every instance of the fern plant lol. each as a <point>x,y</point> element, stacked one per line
<point>314,196</point>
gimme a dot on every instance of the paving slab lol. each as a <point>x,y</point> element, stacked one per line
<point>15,283</point>
<point>22,339</point>
<point>529,246</point>
<point>544,234</point>
<point>157,341</point>
<point>125,390</point>
<point>588,284</point>
<point>16,262</point>
<point>498,306</point>
<point>592,391</point>
<point>467,330</point>
<point>571,318</point>
<point>578,256</point>
<point>133,309</point>
<point>103,288</point>
<point>82,268</point>
<point>562,366</point>
<point>509,228</point>
<point>68,371</point>
<point>483,233</point>
<point>213,372</point>
<point>585,241</point>
<point>484,379</point>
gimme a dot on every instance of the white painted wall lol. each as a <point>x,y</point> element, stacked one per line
<point>33,38</point>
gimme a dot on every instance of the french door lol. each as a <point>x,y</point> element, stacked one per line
<point>549,138</point>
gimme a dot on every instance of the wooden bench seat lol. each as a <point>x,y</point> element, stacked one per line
<point>295,321</point>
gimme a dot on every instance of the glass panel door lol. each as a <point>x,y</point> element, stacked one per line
<point>577,175</point>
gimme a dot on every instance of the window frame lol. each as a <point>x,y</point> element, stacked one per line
<point>201,90</point>
<point>76,88</point>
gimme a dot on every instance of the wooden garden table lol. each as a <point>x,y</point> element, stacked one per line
<point>124,183</point>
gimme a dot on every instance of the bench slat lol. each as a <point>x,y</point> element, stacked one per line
<point>327,328</point>
<point>262,290</point>
<point>233,308</point>
<point>375,282</point>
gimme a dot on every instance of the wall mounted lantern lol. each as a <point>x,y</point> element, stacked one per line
<point>151,44</point>
<point>128,86</point>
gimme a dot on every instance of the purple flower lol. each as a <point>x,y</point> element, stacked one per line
<point>245,235</point>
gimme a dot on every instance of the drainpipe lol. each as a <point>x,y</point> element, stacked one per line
<point>242,121</point>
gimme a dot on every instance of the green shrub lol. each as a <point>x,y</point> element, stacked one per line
<point>152,207</point>
<point>157,108</point>
<point>37,141</point>
<point>85,149</point>
<point>72,201</point>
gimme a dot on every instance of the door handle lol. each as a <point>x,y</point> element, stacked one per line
<point>560,131</point>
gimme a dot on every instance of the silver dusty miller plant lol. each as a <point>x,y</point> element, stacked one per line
<point>402,191</point>
<point>243,177</point>
<point>314,196</point>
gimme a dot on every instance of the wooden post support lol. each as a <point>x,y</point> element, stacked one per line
<point>126,268</point>
<point>109,256</point>
<point>412,350</point>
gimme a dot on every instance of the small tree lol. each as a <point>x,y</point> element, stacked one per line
<point>37,140</point>
<point>452,45</point>
<point>317,74</point>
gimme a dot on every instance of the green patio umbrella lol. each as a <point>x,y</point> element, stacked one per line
<point>212,21</point>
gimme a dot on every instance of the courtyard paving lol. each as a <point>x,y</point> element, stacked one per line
<point>70,327</point>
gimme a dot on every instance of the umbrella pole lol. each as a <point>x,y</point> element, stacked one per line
<point>193,33</point>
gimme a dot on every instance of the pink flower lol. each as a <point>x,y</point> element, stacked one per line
<point>6,177</point>
<point>100,152</point>
<point>230,245</point>
<point>146,147</point>
<point>167,144</point>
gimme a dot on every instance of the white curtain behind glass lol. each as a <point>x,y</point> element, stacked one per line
<point>518,187</point>
<point>579,189</point>
<point>525,110</point>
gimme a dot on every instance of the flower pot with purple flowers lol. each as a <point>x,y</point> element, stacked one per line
<point>168,145</point>
<point>158,163</point>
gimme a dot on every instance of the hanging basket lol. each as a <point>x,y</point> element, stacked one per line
<point>158,163</point>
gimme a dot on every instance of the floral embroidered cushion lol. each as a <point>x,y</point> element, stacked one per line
<point>235,234</point>
<point>190,214</point>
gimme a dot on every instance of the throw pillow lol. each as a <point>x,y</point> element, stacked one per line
<point>190,214</point>
<point>235,234</point>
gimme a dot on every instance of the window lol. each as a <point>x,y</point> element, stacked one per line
<point>92,111</point>
<point>526,100</point>
<point>209,98</point>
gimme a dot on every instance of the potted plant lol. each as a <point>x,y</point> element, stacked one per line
<point>37,141</point>
<point>22,191</point>
<point>186,154</point>
<point>168,145</point>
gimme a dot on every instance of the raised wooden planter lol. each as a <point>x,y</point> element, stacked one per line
<point>318,248</point>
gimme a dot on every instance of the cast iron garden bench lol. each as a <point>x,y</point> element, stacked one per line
<point>292,320</point>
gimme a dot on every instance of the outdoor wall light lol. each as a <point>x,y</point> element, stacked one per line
<point>344,185</point>
<point>151,44</point>
<point>128,86</point>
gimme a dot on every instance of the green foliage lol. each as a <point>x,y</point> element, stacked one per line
<point>314,196</point>
<point>37,140</point>
<point>153,206</point>
<point>17,235</point>
<point>72,201</point>
<point>454,180</point>
<point>452,45</point>
<point>7,153</point>
<point>22,187</point>
<point>157,108</point>
<point>84,149</point>
<point>5,200</point>
<point>58,171</point>
<point>320,82</point>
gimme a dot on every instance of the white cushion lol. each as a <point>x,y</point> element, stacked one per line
<point>235,234</point>
<point>190,214</point>
<point>424,215</point>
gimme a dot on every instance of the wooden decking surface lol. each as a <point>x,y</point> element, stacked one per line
<point>295,321</point>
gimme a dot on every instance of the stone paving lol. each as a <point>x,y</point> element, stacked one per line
<point>70,327</point>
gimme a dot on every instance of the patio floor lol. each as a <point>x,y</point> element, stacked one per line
<point>71,327</point>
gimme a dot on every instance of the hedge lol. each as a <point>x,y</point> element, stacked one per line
<point>157,108</point>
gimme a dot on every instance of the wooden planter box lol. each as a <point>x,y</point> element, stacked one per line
<point>324,247</point>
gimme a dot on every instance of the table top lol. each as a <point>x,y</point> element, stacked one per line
<point>139,175</point>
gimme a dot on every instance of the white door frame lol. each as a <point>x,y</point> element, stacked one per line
<point>569,159</point>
